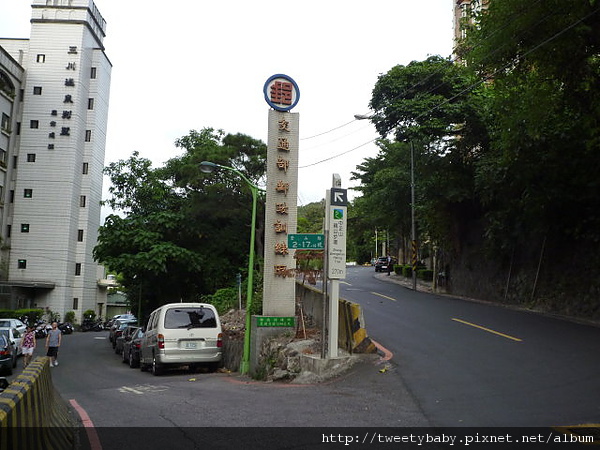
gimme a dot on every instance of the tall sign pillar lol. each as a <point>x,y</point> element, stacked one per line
<point>279,285</point>
<point>336,210</point>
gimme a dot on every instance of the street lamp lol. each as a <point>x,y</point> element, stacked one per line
<point>413,232</point>
<point>209,167</point>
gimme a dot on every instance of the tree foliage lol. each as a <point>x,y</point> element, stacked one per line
<point>506,141</point>
<point>177,233</point>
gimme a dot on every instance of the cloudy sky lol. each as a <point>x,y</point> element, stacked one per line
<point>189,64</point>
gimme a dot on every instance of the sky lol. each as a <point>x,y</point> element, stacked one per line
<point>190,64</point>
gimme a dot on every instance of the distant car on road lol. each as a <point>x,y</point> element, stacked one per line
<point>131,348</point>
<point>125,335</point>
<point>381,265</point>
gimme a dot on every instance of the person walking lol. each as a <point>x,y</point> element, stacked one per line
<point>28,345</point>
<point>389,264</point>
<point>53,341</point>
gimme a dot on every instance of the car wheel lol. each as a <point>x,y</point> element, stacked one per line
<point>156,367</point>
<point>132,362</point>
<point>123,357</point>
<point>14,361</point>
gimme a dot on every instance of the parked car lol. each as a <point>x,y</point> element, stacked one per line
<point>381,265</point>
<point>118,324</point>
<point>14,337</point>
<point>118,331</point>
<point>182,334</point>
<point>8,355</point>
<point>123,336</point>
<point>131,348</point>
<point>13,323</point>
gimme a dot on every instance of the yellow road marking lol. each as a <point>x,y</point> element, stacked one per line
<point>384,296</point>
<point>488,330</point>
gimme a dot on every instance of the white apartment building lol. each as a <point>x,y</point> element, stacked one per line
<point>54,92</point>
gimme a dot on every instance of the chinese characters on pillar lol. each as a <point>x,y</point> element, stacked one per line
<point>282,186</point>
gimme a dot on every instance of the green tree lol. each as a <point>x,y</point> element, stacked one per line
<point>539,173</point>
<point>177,237</point>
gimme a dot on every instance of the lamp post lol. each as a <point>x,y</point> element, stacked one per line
<point>209,167</point>
<point>413,231</point>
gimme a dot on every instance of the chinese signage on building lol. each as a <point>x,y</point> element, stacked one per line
<point>279,288</point>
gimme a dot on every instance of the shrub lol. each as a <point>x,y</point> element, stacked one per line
<point>89,314</point>
<point>70,317</point>
<point>425,274</point>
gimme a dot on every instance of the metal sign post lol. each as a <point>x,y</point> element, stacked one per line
<point>335,225</point>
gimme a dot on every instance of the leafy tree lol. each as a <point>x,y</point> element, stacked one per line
<point>178,237</point>
<point>423,105</point>
<point>539,174</point>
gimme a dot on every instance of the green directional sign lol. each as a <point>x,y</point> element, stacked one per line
<point>264,321</point>
<point>306,241</point>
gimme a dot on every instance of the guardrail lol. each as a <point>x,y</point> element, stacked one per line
<point>32,414</point>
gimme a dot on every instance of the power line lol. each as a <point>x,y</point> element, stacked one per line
<point>470,87</point>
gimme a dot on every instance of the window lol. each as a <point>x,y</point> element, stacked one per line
<point>30,157</point>
<point>34,124</point>
<point>8,230</point>
<point>85,168</point>
<point>5,122</point>
<point>82,201</point>
<point>90,103</point>
<point>12,196</point>
<point>79,235</point>
<point>24,228</point>
<point>27,193</point>
<point>18,128</point>
<point>41,58</point>
<point>22,264</point>
<point>2,158</point>
<point>93,72</point>
<point>77,269</point>
<point>190,318</point>
<point>75,303</point>
<point>50,146</point>
<point>88,135</point>
<point>37,90</point>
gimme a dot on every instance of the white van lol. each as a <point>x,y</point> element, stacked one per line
<point>180,334</point>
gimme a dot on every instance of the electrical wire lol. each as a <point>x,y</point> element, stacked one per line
<point>470,87</point>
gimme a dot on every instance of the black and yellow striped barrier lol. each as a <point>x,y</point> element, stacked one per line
<point>353,334</point>
<point>32,414</point>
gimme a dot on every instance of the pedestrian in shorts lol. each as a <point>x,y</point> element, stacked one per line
<point>53,341</point>
<point>28,345</point>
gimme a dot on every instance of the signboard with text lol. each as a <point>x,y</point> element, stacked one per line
<point>337,219</point>
<point>306,241</point>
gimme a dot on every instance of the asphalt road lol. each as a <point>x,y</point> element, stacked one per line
<point>474,364</point>
<point>114,395</point>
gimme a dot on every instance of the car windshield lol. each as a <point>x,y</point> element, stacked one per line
<point>4,323</point>
<point>190,318</point>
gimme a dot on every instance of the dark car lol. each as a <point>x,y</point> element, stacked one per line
<point>124,335</point>
<point>119,324</point>
<point>131,348</point>
<point>381,265</point>
<point>8,355</point>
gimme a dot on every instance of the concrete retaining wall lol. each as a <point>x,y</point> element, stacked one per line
<point>32,414</point>
<point>352,331</point>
